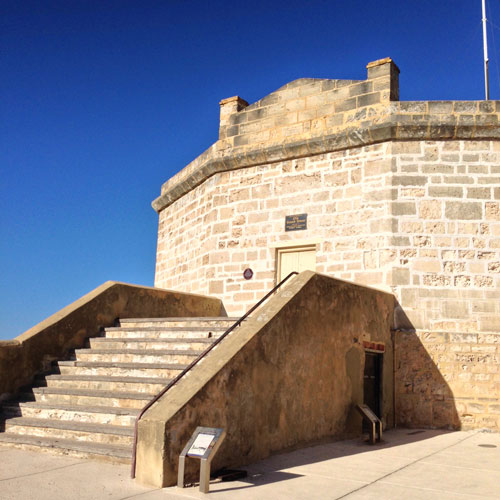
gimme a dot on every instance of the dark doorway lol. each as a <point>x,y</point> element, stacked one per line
<point>372,383</point>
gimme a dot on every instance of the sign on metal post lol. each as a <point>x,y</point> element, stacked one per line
<point>203,444</point>
<point>374,422</point>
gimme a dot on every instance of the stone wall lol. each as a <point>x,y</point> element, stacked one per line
<point>235,219</point>
<point>448,380</point>
<point>419,218</point>
<point>446,216</point>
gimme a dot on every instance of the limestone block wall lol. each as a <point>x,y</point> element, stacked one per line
<point>447,380</point>
<point>447,234</point>
<point>418,218</point>
<point>235,219</point>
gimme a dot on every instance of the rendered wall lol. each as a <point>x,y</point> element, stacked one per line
<point>289,376</point>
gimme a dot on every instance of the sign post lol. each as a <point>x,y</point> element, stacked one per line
<point>203,444</point>
<point>373,421</point>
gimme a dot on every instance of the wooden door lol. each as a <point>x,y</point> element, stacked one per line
<point>295,259</point>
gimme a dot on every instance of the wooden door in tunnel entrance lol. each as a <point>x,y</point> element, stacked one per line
<point>295,259</point>
<point>372,382</point>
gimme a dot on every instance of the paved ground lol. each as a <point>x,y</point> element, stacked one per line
<point>408,465</point>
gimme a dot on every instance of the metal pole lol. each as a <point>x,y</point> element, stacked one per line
<point>485,50</point>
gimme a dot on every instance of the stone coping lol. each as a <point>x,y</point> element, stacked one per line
<point>399,121</point>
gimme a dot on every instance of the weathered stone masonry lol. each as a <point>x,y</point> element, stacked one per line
<point>403,196</point>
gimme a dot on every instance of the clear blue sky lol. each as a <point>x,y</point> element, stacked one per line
<point>102,101</point>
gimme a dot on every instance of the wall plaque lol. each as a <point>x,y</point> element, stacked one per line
<point>297,222</point>
<point>247,273</point>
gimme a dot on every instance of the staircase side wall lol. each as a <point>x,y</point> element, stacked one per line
<point>33,351</point>
<point>288,377</point>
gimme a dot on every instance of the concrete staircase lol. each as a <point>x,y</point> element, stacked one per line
<point>88,406</point>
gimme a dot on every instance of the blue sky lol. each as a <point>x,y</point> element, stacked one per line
<point>102,101</point>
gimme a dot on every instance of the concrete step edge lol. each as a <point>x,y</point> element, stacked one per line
<point>71,425</point>
<point>145,352</point>
<point>161,340</point>
<point>81,446</point>
<point>166,328</point>
<point>90,393</point>
<point>101,378</point>
<point>72,407</point>
<point>104,364</point>
<point>183,318</point>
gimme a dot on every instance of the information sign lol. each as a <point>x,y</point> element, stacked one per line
<point>203,445</point>
<point>373,420</point>
<point>200,445</point>
<point>297,222</point>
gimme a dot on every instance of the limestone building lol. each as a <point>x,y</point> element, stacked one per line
<point>340,177</point>
<point>391,210</point>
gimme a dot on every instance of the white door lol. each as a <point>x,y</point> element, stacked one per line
<point>295,259</point>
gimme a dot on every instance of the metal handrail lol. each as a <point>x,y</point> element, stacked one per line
<point>193,363</point>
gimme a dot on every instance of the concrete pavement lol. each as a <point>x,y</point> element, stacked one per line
<point>410,464</point>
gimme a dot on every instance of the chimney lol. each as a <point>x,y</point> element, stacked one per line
<point>385,76</point>
<point>228,107</point>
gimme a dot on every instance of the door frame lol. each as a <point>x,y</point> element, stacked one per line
<point>290,249</point>
<point>378,357</point>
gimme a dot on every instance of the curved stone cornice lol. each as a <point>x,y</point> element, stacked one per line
<point>393,127</point>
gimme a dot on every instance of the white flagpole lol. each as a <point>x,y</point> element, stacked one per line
<point>485,50</point>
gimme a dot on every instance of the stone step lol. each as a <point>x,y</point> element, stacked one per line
<point>76,431</point>
<point>152,332</point>
<point>222,321</point>
<point>136,356</point>
<point>87,397</point>
<point>80,449</point>
<point>89,408</point>
<point>161,370</point>
<point>146,385</point>
<point>76,413</point>
<point>197,344</point>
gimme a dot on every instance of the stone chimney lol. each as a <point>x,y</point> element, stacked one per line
<point>228,107</point>
<point>385,76</point>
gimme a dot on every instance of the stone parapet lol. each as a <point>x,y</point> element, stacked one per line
<point>361,126</point>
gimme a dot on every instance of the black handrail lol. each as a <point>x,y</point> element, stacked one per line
<point>193,363</point>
